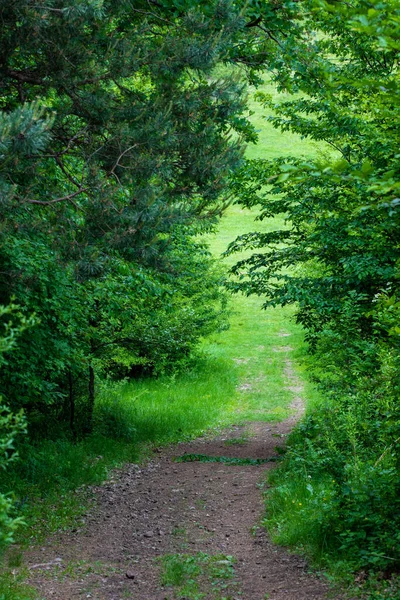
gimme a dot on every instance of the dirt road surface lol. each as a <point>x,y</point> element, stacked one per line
<point>186,508</point>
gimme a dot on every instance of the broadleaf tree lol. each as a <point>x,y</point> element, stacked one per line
<point>337,261</point>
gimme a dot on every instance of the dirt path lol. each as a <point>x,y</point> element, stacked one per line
<point>179,508</point>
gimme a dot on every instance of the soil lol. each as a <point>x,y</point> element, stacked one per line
<point>145,512</point>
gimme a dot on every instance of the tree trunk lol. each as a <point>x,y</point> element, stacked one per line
<point>71,404</point>
<point>91,399</point>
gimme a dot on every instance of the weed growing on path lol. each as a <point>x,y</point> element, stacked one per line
<point>239,441</point>
<point>226,460</point>
<point>197,576</point>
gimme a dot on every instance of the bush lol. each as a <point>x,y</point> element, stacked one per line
<point>342,465</point>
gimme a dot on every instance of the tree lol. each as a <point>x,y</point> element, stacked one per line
<point>121,128</point>
<point>337,260</point>
<point>11,425</point>
<point>342,210</point>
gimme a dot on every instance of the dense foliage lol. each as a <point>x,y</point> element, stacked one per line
<point>120,126</point>
<point>116,147</point>
<point>11,425</point>
<point>338,259</point>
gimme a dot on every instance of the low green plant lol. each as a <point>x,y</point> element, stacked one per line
<point>377,587</point>
<point>12,424</point>
<point>226,460</point>
<point>239,441</point>
<point>179,531</point>
<point>81,568</point>
<point>12,587</point>
<point>198,576</point>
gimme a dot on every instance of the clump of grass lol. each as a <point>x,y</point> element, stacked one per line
<point>226,460</point>
<point>238,441</point>
<point>13,588</point>
<point>198,576</point>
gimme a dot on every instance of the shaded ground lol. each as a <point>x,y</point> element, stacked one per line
<point>186,508</point>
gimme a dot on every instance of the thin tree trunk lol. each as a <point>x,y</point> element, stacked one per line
<point>91,399</point>
<point>71,404</point>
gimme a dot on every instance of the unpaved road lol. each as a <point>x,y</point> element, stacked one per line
<point>169,507</point>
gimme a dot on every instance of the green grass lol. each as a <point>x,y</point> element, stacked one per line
<point>258,341</point>
<point>171,408</point>
<point>273,143</point>
<point>238,441</point>
<point>12,587</point>
<point>296,509</point>
<point>226,460</point>
<point>197,576</point>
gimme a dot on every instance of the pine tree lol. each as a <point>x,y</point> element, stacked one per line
<point>122,125</point>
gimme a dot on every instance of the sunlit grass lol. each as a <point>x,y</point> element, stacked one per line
<point>170,408</point>
<point>296,509</point>
<point>273,143</point>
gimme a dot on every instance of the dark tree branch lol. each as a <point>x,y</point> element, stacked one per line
<point>254,22</point>
<point>69,197</point>
<point>67,175</point>
<point>25,77</point>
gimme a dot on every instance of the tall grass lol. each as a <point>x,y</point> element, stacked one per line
<point>170,408</point>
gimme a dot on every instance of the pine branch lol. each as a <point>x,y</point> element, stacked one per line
<point>24,77</point>
<point>69,197</point>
